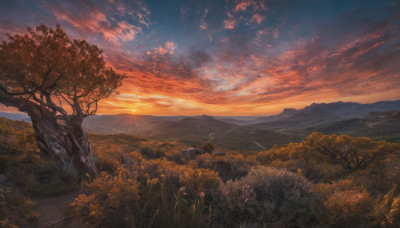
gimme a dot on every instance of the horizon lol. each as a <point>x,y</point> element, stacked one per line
<point>248,57</point>
<point>7,110</point>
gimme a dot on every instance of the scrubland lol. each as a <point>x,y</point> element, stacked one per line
<point>322,181</point>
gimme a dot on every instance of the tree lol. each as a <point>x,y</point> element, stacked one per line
<point>352,153</point>
<point>57,81</point>
<point>208,147</point>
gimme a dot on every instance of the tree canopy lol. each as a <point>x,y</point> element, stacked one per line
<point>50,69</point>
<point>57,81</point>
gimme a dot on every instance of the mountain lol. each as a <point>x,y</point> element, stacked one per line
<point>197,130</point>
<point>15,116</point>
<point>123,123</point>
<point>341,110</point>
<point>287,112</point>
<point>350,109</point>
<point>378,125</point>
<point>297,123</point>
<point>239,120</point>
<point>189,129</point>
<point>293,121</point>
<point>252,132</point>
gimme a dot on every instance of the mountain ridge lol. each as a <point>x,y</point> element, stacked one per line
<point>254,133</point>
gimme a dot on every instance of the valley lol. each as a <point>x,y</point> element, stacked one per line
<point>380,120</point>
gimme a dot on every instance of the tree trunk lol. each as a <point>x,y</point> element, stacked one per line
<point>66,143</point>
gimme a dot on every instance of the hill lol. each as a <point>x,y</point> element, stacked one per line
<point>377,125</point>
<point>340,110</point>
<point>15,116</point>
<point>197,130</point>
<point>123,123</point>
<point>252,133</point>
<point>150,183</point>
<point>334,118</point>
<point>297,123</point>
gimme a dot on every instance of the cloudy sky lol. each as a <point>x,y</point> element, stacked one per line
<point>231,57</point>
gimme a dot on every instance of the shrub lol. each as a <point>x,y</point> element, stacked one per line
<point>196,181</point>
<point>208,147</point>
<point>393,216</point>
<point>150,193</point>
<point>267,196</point>
<point>326,158</point>
<point>16,209</point>
<point>109,201</point>
<point>151,153</point>
<point>343,204</point>
<point>228,167</point>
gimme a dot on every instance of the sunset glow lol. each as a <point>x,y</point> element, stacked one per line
<point>237,57</point>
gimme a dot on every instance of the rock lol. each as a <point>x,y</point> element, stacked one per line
<point>190,153</point>
<point>217,153</point>
<point>3,179</point>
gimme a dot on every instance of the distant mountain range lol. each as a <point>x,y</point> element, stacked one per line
<point>339,110</point>
<point>378,125</point>
<point>378,120</point>
<point>15,116</point>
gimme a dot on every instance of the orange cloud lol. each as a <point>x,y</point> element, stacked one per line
<point>243,5</point>
<point>253,71</point>
<point>91,19</point>
<point>229,24</point>
<point>258,18</point>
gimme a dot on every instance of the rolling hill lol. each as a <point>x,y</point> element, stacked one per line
<point>197,130</point>
<point>377,125</point>
<point>252,132</point>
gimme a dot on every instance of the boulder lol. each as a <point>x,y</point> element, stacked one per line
<point>190,153</point>
<point>217,153</point>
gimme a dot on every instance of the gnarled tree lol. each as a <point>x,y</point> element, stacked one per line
<point>57,81</point>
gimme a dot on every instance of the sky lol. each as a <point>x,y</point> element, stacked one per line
<point>230,57</point>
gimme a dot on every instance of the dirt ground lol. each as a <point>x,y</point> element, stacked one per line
<point>52,210</point>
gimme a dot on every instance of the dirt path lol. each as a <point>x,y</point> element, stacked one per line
<point>52,210</point>
<point>259,145</point>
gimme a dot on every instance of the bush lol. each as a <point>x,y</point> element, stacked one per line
<point>393,216</point>
<point>208,147</point>
<point>151,153</point>
<point>22,163</point>
<point>150,193</point>
<point>198,181</point>
<point>267,196</point>
<point>343,204</point>
<point>16,209</point>
<point>109,201</point>
<point>326,158</point>
<point>228,167</point>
